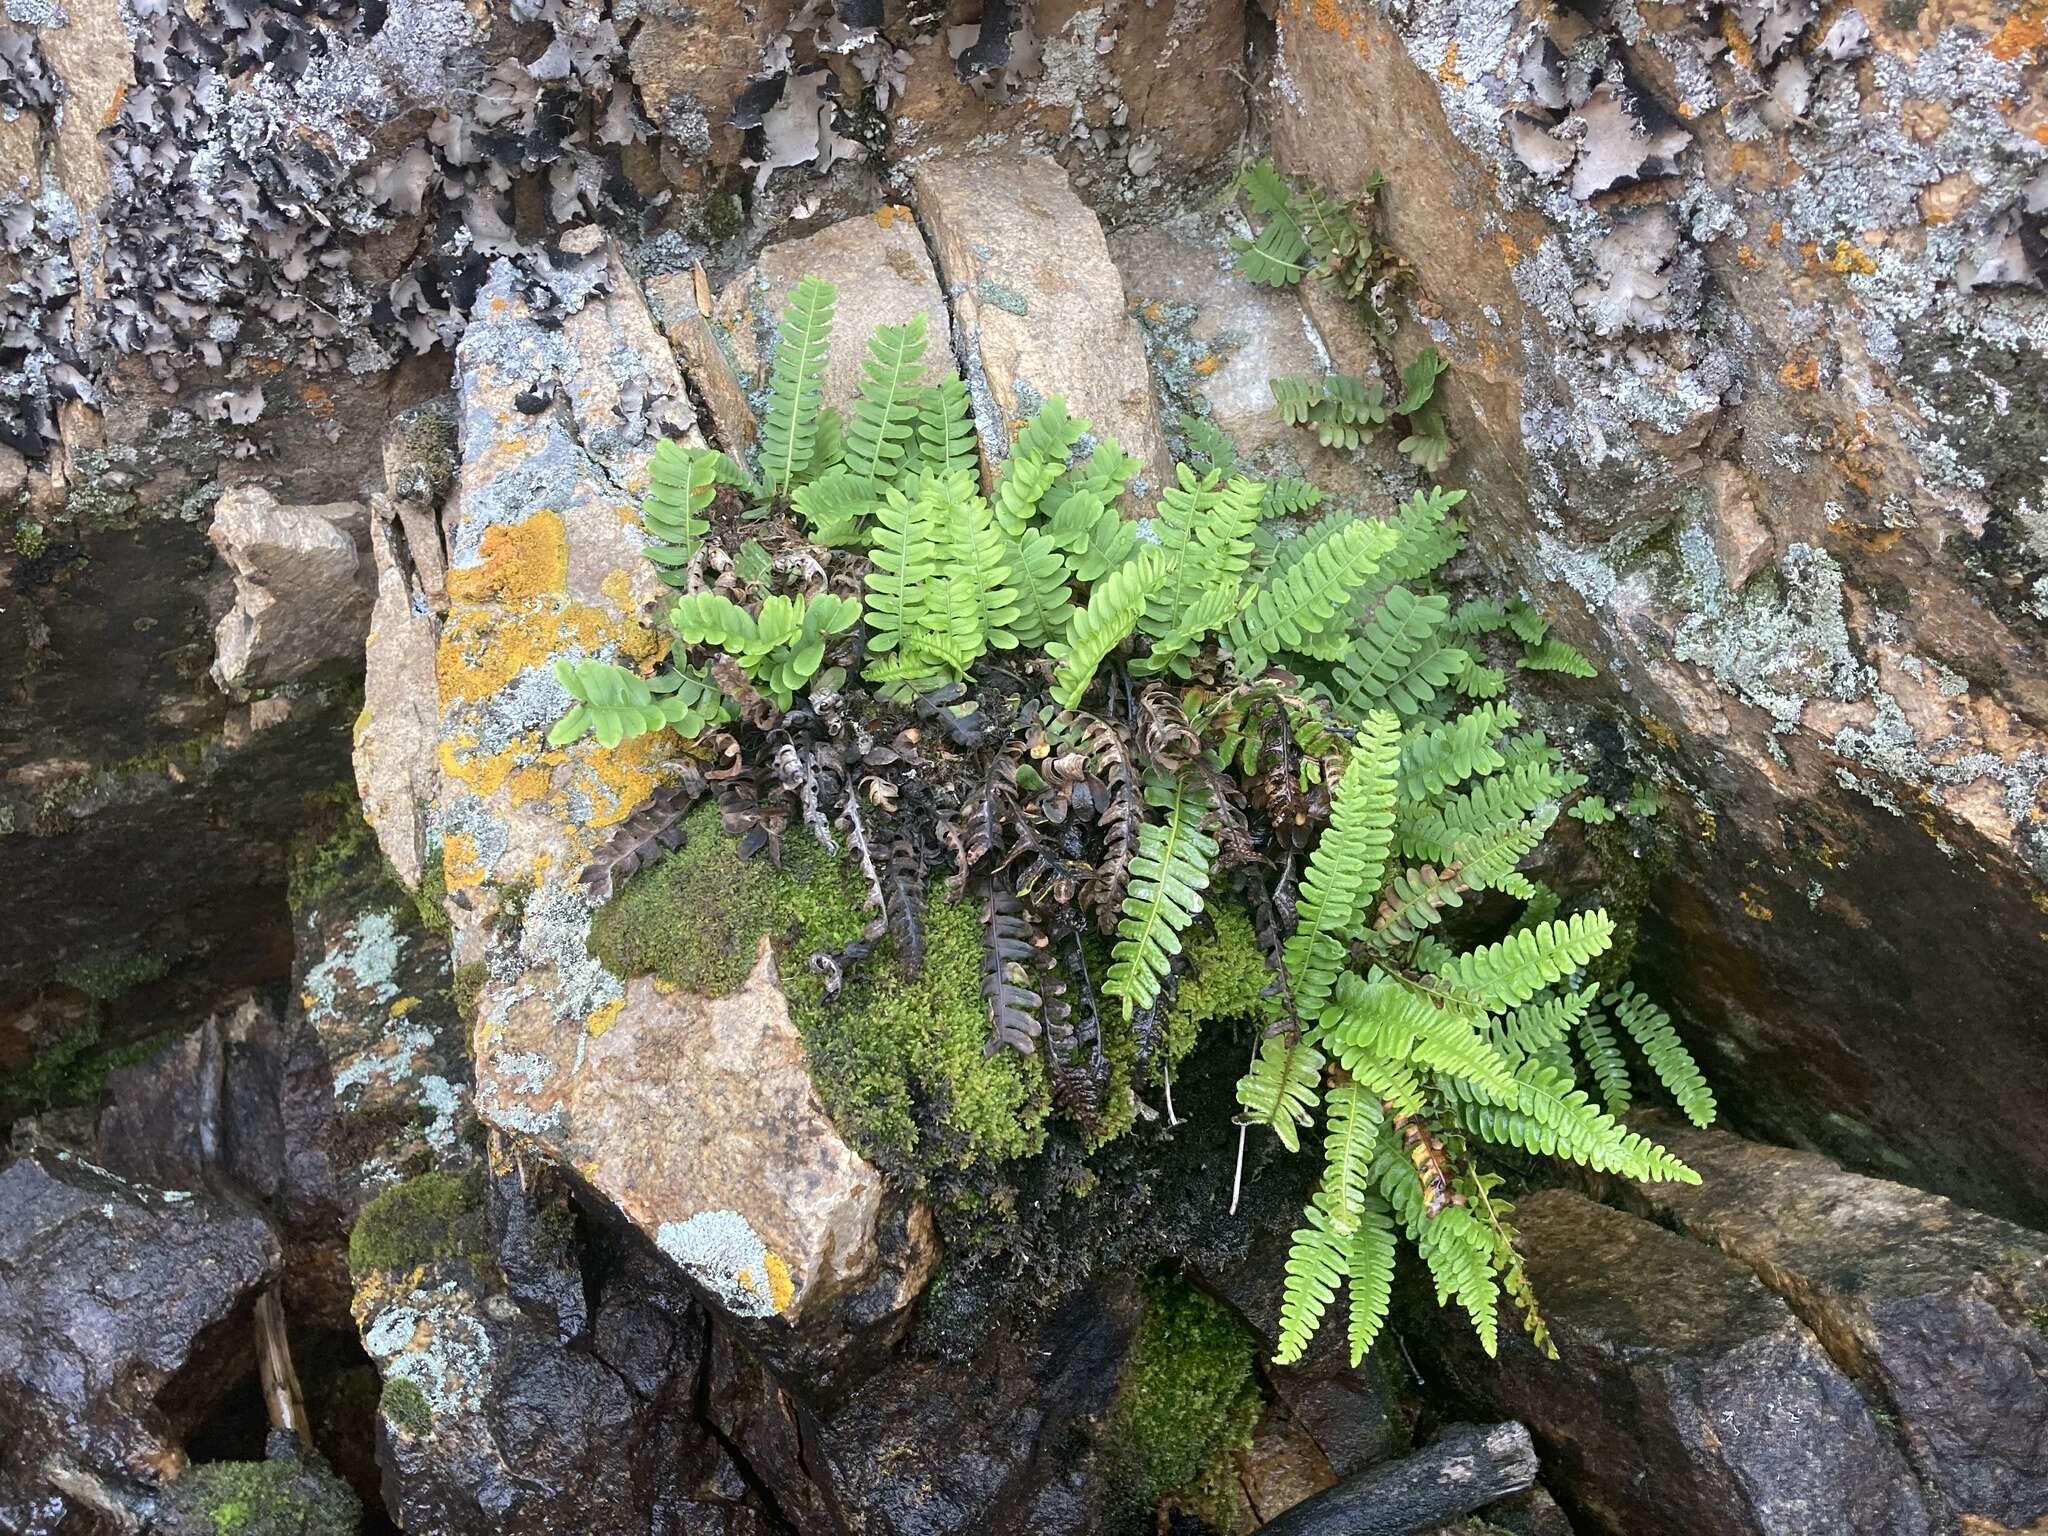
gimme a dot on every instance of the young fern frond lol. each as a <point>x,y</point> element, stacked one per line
<point>1093,535</point>
<point>1204,525</point>
<point>1556,656</point>
<point>1604,1061</point>
<point>616,704</point>
<point>1168,876</point>
<point>901,560</point>
<point>1369,1275</point>
<point>1278,1090</point>
<point>681,483</point>
<point>834,507</point>
<point>882,435</point>
<point>1278,256</point>
<point>789,430</point>
<point>1110,618</point>
<point>1044,603</point>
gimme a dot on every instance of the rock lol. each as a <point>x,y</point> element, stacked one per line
<point>1038,303</point>
<point>690,69</point>
<point>1710,412</point>
<point>676,298</point>
<point>398,732</point>
<point>696,1119</point>
<point>1216,340</point>
<point>1686,1397</point>
<point>1936,1309</point>
<point>884,275</point>
<point>1282,1467</point>
<point>163,1125</point>
<point>300,598</point>
<point>124,1312</point>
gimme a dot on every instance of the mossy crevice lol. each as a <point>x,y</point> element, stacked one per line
<point>292,1494</point>
<point>1187,1401</point>
<point>427,1218</point>
<point>898,1062</point>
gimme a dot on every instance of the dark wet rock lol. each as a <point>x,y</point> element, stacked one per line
<point>291,1492</point>
<point>1687,1399</point>
<point>1936,1309</point>
<point>124,1314</point>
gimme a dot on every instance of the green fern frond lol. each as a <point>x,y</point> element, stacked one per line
<point>882,435</point>
<point>1369,1275</point>
<point>1604,1060</point>
<point>1499,976</point>
<point>1351,1128</point>
<point>1278,255</point>
<point>1344,871</point>
<point>789,430</point>
<point>681,483</point>
<point>1110,618</point>
<point>834,507</point>
<point>1301,602</point>
<point>1204,527</point>
<point>616,704</point>
<point>1650,1027</point>
<point>967,604</point>
<point>1525,623</point>
<point>1556,656</point>
<point>1317,1258</point>
<point>1279,1088</point>
<point>1202,618</point>
<point>1479,616</point>
<point>1044,603</point>
<point>945,427</point>
<point>1288,496</point>
<point>1379,664</point>
<point>1429,536</point>
<point>1169,873</point>
<point>1441,757</point>
<point>901,562</point>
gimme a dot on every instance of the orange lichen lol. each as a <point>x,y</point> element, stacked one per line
<point>890,214</point>
<point>1748,257</point>
<point>1738,45</point>
<point>520,562</point>
<point>781,1286</point>
<point>1448,70</point>
<point>1803,372</point>
<point>529,784</point>
<point>1849,257</point>
<point>461,862</point>
<point>604,1018</point>
<point>1207,364</point>
<point>402,1007</point>
<point>2021,35</point>
<point>317,400</point>
<point>1753,905</point>
<point>1509,251</point>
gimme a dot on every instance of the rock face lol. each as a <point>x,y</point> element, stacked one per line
<point>1038,304</point>
<point>301,594</point>
<point>121,1308</point>
<point>1686,1398</point>
<point>1935,1308</point>
<point>1723,408</point>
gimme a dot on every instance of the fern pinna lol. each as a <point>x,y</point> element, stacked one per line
<point>1095,730</point>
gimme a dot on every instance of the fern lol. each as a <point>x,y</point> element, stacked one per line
<point>1650,1027</point>
<point>1304,599</point>
<point>1204,528</point>
<point>1276,257</point>
<point>883,432</point>
<point>1317,1259</point>
<point>1279,1089</point>
<point>1556,656</point>
<point>945,427</point>
<point>789,430</point>
<point>1110,618</point>
<point>1343,873</point>
<point>1168,876</point>
<point>1498,976</point>
<point>681,483</point>
<point>616,704</point>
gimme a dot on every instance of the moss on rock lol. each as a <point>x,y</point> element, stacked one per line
<point>291,1494</point>
<point>428,1217</point>
<point>1226,974</point>
<point>899,1062</point>
<point>405,1406</point>
<point>1189,1398</point>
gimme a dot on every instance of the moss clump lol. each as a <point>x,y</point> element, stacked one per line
<point>469,986</point>
<point>30,539</point>
<point>405,1406</point>
<point>289,1495</point>
<point>1188,1399</point>
<point>725,215</point>
<point>106,974</point>
<point>431,895</point>
<point>327,853</point>
<point>898,1062</point>
<point>1226,975</point>
<point>429,1217</point>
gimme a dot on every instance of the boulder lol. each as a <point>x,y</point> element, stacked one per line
<point>301,594</point>
<point>1037,303</point>
<point>398,731</point>
<point>124,1313</point>
<point>696,1119</point>
<point>1687,1400</point>
<point>1714,410</point>
<point>1934,1308</point>
<point>885,277</point>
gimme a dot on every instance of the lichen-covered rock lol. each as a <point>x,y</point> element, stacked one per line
<point>398,732</point>
<point>884,275</point>
<point>302,595</point>
<point>694,1118</point>
<point>1038,304</point>
<point>1686,1399</point>
<point>1937,1309</point>
<point>124,1311</point>
<point>1745,350</point>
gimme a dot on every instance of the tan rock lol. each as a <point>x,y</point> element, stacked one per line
<point>398,732</point>
<point>1039,304</point>
<point>695,1119</point>
<point>301,594</point>
<point>702,356</point>
<point>1281,1467</point>
<point>884,275</point>
<point>691,65</point>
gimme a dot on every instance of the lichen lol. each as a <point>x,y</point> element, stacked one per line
<point>425,1219</point>
<point>1188,1398</point>
<point>899,1062</point>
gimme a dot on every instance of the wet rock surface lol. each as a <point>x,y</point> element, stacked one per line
<point>1687,1397</point>
<point>1937,1309</point>
<point>123,1309</point>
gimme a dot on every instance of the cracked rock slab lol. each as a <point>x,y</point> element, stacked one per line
<point>884,275</point>
<point>1687,1400</point>
<point>1038,303</point>
<point>399,728</point>
<point>1936,1307</point>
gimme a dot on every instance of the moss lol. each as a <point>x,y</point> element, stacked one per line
<point>1188,1398</point>
<point>30,539</point>
<point>725,215</point>
<point>404,1405</point>
<point>468,987</point>
<point>430,1217</point>
<point>69,1070</point>
<point>327,852</point>
<point>108,973</point>
<point>1227,972</point>
<point>289,1495</point>
<point>430,897</point>
<point>899,1063</point>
